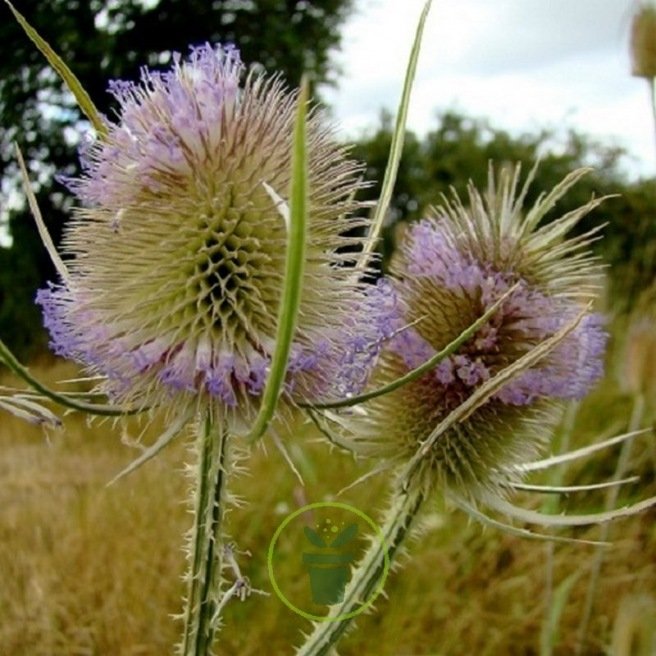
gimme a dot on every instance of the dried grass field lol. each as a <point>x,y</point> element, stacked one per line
<point>88,569</point>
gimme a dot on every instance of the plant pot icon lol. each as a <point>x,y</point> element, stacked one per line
<point>329,569</point>
<point>329,574</point>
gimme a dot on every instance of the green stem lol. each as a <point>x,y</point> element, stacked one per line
<point>637,414</point>
<point>368,572</point>
<point>206,549</point>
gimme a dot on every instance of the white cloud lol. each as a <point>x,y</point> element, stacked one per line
<point>524,64</point>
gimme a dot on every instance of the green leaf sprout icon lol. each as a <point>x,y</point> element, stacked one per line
<point>345,536</point>
<point>341,540</point>
<point>314,538</point>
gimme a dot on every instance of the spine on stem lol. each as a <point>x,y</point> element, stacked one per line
<point>368,573</point>
<point>201,615</point>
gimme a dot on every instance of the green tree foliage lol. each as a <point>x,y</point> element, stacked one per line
<point>108,39</point>
<point>460,149</point>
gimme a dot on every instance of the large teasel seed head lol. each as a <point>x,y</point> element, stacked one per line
<point>176,257</point>
<point>449,270</point>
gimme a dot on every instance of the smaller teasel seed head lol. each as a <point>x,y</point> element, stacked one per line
<point>643,40</point>
<point>177,253</point>
<point>449,270</point>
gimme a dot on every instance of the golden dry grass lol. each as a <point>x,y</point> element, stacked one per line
<point>91,570</point>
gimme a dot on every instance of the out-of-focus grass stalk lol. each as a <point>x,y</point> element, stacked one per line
<point>611,502</point>
<point>652,99</point>
<point>548,634</point>
<point>634,630</point>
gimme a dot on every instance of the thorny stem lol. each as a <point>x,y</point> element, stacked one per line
<point>202,610</point>
<point>367,574</point>
<point>611,502</point>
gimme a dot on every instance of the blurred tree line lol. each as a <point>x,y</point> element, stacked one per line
<point>460,148</point>
<point>111,39</point>
<point>108,39</point>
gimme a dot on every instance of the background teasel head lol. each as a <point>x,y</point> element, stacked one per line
<point>449,270</point>
<point>176,259</point>
<point>643,40</point>
<point>637,358</point>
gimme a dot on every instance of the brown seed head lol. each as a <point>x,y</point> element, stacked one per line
<point>643,41</point>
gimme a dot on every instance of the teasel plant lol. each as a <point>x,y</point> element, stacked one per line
<point>490,308</point>
<point>206,277</point>
<point>642,48</point>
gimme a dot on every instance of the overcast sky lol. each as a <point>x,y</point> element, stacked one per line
<point>523,64</point>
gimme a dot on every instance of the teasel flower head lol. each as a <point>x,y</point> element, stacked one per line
<point>176,256</point>
<point>643,40</point>
<point>449,270</point>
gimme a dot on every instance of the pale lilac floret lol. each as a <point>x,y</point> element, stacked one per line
<point>526,318</point>
<point>575,365</point>
<point>411,347</point>
<point>165,122</point>
<point>470,371</point>
<point>82,340</point>
<point>62,340</point>
<point>433,255</point>
<point>342,362</point>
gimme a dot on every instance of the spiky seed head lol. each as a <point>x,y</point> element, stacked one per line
<point>450,269</point>
<point>176,257</point>
<point>643,40</point>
